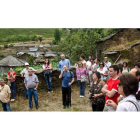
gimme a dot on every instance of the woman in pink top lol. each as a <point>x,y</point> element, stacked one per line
<point>81,71</point>
<point>48,74</point>
<point>11,76</point>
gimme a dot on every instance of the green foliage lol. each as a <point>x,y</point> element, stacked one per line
<point>24,34</point>
<point>40,38</point>
<point>34,38</point>
<point>57,36</point>
<point>11,45</point>
<point>5,46</point>
<point>112,31</point>
<point>30,60</point>
<point>79,43</point>
<point>1,55</point>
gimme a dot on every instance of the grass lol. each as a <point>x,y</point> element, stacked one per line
<point>53,101</point>
<point>44,32</point>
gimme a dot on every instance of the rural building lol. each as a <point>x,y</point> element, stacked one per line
<point>122,46</point>
<point>50,54</point>
<point>23,56</point>
<point>10,61</point>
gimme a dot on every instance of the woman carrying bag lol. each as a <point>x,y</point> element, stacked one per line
<point>97,98</point>
<point>48,74</point>
<point>81,74</point>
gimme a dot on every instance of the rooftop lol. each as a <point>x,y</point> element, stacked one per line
<point>11,61</point>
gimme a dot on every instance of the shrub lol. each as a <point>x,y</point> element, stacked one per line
<point>1,55</point>
<point>30,60</point>
<point>11,45</point>
<point>5,46</point>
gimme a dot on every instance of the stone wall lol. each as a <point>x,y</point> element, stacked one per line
<point>123,37</point>
<point>56,82</point>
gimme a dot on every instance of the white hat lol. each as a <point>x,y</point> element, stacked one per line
<point>26,64</point>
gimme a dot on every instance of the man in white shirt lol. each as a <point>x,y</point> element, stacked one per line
<point>88,64</point>
<point>90,73</point>
<point>107,64</point>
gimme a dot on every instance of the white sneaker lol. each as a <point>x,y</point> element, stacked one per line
<point>48,91</point>
<point>80,96</point>
<point>52,91</point>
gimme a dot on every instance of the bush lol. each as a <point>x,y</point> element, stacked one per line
<point>5,46</point>
<point>30,60</point>
<point>54,42</point>
<point>1,55</point>
<point>11,45</point>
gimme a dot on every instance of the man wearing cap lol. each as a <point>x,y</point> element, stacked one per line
<point>24,73</point>
<point>31,84</point>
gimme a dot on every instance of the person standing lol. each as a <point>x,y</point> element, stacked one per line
<point>126,69</point>
<point>31,84</point>
<point>63,62</point>
<point>11,76</point>
<point>111,87</point>
<point>82,59</point>
<point>103,71</point>
<point>48,74</point>
<point>67,80</point>
<point>81,74</point>
<point>97,98</point>
<point>107,64</point>
<point>96,66</point>
<point>24,73</point>
<point>88,64</point>
<point>5,95</point>
<point>90,70</point>
<point>131,100</point>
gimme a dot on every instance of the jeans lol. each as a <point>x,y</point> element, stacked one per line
<point>66,96</point>
<point>48,79</point>
<point>13,89</point>
<point>6,106</point>
<point>82,86</point>
<point>33,92</point>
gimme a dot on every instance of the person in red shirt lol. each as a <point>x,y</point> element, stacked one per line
<point>11,76</point>
<point>111,87</point>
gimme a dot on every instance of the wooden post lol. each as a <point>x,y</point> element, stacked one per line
<point>117,59</point>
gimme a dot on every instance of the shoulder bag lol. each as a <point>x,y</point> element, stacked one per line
<point>83,78</point>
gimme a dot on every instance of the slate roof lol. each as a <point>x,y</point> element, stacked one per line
<point>11,61</point>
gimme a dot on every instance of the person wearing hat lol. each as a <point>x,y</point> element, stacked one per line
<point>24,73</point>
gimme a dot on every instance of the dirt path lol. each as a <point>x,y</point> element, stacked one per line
<point>53,101</point>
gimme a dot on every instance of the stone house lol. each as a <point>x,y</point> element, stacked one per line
<point>10,61</point>
<point>121,46</point>
<point>23,56</point>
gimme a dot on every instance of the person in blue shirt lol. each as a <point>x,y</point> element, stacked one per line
<point>63,62</point>
<point>67,80</point>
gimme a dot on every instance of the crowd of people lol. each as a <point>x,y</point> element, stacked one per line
<point>112,87</point>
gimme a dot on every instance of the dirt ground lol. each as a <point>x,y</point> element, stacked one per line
<point>53,101</point>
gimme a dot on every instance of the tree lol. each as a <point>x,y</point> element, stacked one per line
<point>40,38</point>
<point>30,60</point>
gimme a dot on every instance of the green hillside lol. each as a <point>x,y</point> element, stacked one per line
<point>7,34</point>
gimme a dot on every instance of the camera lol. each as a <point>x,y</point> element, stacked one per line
<point>91,94</point>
